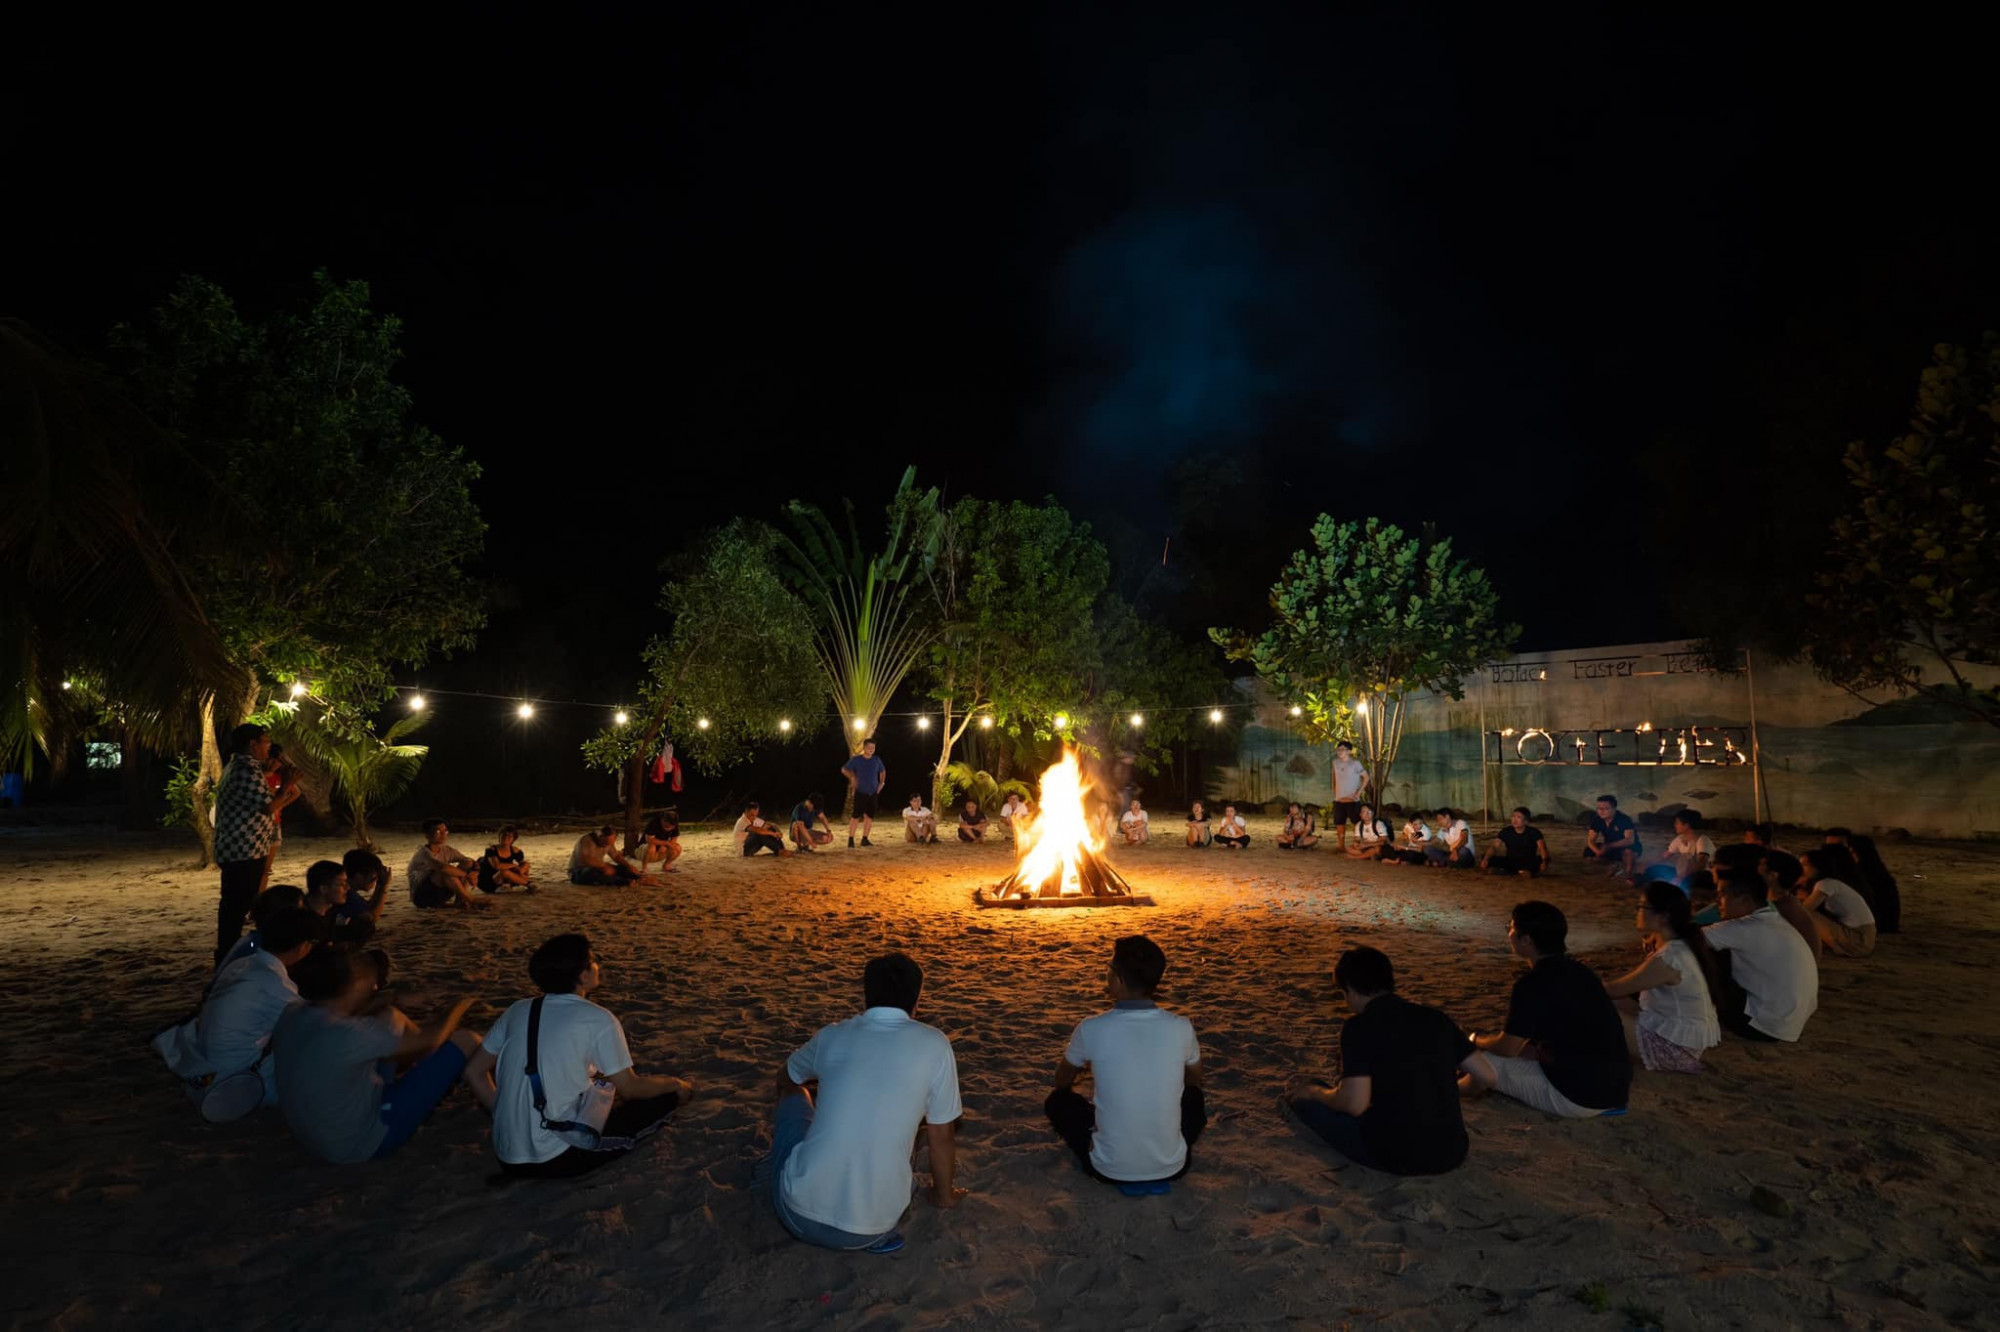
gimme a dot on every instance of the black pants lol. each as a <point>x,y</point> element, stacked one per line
<point>628,1119</point>
<point>240,879</point>
<point>1731,1003</point>
<point>591,876</point>
<point>1232,841</point>
<point>1074,1117</point>
<point>1532,865</point>
<point>755,842</point>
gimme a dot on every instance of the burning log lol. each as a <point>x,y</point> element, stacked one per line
<point>1060,861</point>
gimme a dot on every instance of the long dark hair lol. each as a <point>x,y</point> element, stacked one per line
<point>1869,858</point>
<point>1829,862</point>
<point>1663,898</point>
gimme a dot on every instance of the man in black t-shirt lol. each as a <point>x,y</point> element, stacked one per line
<point>1613,838</point>
<point>1580,1066</point>
<point>1522,849</point>
<point>1396,1108</point>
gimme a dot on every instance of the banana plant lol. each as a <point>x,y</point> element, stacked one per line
<point>367,770</point>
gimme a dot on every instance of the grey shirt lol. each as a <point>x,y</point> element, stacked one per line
<point>328,1084</point>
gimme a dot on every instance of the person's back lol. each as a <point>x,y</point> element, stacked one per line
<point>1411,1055</point>
<point>1773,967</point>
<point>1565,1011</point>
<point>586,854</point>
<point>328,1084</point>
<point>880,1074</point>
<point>1138,1055</point>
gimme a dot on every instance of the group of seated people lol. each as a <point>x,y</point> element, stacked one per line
<point>810,828</point>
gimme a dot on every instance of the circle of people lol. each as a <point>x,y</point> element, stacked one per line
<point>295,1015</point>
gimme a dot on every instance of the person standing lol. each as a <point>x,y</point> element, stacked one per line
<point>244,829</point>
<point>866,776</point>
<point>1350,784</point>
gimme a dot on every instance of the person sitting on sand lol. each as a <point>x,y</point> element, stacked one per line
<point>1761,834</point>
<point>919,824</point>
<point>1667,1001</point>
<point>1579,1066</point>
<point>1770,983</point>
<point>367,886</point>
<point>326,893</point>
<point>1413,841</point>
<point>595,861</point>
<point>439,875</point>
<point>331,1059</point>
<point>278,897</point>
<point>1875,882</point>
<point>1301,829</point>
<point>1014,815</point>
<point>842,1163</point>
<point>1842,917</point>
<point>1396,1106</point>
<point>1145,1069</point>
<point>1690,850</point>
<point>753,833</point>
<point>505,865</point>
<point>1520,846</point>
<point>1451,844</point>
<point>1136,824</point>
<point>1198,832</point>
<point>1231,832</point>
<point>809,824</point>
<point>1703,899</point>
<point>1612,838</point>
<point>660,842</point>
<point>1782,874</point>
<point>1372,839</point>
<point>221,1053</point>
<point>972,824</point>
<point>580,1058</point>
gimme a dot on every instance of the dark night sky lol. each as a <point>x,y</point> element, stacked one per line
<point>1585,293</point>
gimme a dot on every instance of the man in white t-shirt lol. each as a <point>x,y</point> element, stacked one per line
<point>576,1044</point>
<point>1135,823</point>
<point>1350,785</point>
<point>1451,843</point>
<point>1145,1067</point>
<point>919,824</point>
<point>232,1033</point>
<point>1691,849</point>
<point>842,1162</point>
<point>1772,983</point>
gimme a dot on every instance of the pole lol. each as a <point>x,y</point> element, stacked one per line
<point>1760,805</point>
<point>1485,777</point>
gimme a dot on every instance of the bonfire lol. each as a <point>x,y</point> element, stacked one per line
<point>1060,862</point>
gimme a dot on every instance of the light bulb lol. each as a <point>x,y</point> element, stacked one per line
<point>1062,720</point>
<point>1215,714</point>
<point>525,711</point>
<point>985,723</point>
<point>1296,709</point>
<point>701,723</point>
<point>784,723</point>
<point>923,723</point>
<point>1138,719</point>
<point>1361,708</point>
<point>298,689</point>
<point>66,684</point>
<point>860,723</point>
<point>619,718</point>
<point>416,702</point>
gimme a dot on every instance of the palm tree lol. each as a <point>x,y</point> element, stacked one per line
<point>97,619</point>
<point>869,633</point>
<point>367,771</point>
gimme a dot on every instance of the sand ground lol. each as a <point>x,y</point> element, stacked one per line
<point>125,1210</point>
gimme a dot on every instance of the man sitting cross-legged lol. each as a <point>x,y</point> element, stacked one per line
<point>331,1060</point>
<point>809,823</point>
<point>1396,1106</point>
<point>576,1045</point>
<point>1145,1067</point>
<point>919,824</point>
<point>754,832</point>
<point>1561,1009</point>
<point>1612,838</point>
<point>1301,830</point>
<point>842,1164</point>
<point>1521,848</point>
<point>1451,844</point>
<point>222,1053</point>
<point>440,874</point>
<point>595,861</point>
<point>1136,824</point>
<point>1770,981</point>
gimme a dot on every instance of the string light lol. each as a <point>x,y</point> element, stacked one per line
<point>701,723</point>
<point>1062,720</point>
<point>298,689</point>
<point>860,723</point>
<point>619,719</point>
<point>985,723</point>
<point>416,702</point>
<point>66,684</point>
<point>1361,708</point>
<point>525,711</point>
<point>1296,709</point>
<point>1215,715</point>
<point>1138,719</point>
<point>784,723</point>
<point>923,723</point>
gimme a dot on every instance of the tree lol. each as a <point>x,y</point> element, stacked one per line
<point>1364,619</point>
<point>869,631</point>
<point>340,553</point>
<point>366,770</point>
<point>1910,594</point>
<point>1012,586</point>
<point>737,660</point>
<point>98,619</point>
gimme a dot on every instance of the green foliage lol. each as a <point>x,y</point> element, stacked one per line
<point>869,631</point>
<point>1911,590</point>
<point>957,781</point>
<point>367,770</point>
<point>338,553</point>
<point>181,791</point>
<point>1363,619</point>
<point>738,653</point>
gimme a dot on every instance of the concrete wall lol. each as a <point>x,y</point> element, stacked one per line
<point>1647,723</point>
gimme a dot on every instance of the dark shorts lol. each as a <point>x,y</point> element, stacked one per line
<point>864,805</point>
<point>428,894</point>
<point>1347,811</point>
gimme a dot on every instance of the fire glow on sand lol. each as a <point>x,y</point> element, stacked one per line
<point>1060,863</point>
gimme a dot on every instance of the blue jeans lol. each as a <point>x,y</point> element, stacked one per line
<point>1342,1132</point>
<point>408,1101</point>
<point>794,1118</point>
<point>1463,860</point>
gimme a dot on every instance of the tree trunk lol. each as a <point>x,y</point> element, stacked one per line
<point>204,786</point>
<point>635,795</point>
<point>944,759</point>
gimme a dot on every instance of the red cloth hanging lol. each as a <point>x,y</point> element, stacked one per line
<point>677,774</point>
<point>660,770</point>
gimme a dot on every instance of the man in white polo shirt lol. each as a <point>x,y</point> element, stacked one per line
<point>842,1164</point>
<point>1146,1067</point>
<point>1771,982</point>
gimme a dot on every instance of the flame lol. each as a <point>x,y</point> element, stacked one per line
<point>1060,833</point>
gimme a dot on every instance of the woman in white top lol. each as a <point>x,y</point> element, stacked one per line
<point>1371,837</point>
<point>1136,824</point>
<point>1674,1019</point>
<point>1845,922</point>
<point>1231,832</point>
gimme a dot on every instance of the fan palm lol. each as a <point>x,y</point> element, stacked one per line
<point>92,591</point>
<point>367,771</point>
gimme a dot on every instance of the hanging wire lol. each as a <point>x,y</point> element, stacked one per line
<point>420,695</point>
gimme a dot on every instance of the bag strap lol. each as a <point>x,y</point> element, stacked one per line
<point>534,1050</point>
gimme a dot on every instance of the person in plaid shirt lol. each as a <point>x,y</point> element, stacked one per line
<point>244,829</point>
